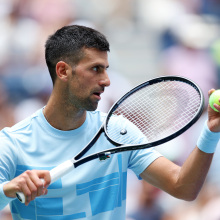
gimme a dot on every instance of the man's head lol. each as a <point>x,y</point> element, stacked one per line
<point>68,44</point>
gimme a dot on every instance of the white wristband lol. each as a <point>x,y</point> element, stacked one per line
<point>208,140</point>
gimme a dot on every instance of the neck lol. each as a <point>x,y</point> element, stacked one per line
<point>63,117</point>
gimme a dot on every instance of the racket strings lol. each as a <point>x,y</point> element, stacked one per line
<point>157,111</point>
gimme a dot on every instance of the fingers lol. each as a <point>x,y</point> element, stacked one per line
<point>213,116</point>
<point>211,91</point>
<point>45,177</point>
<point>34,183</point>
<point>215,105</point>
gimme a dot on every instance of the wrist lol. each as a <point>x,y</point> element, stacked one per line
<point>8,191</point>
<point>208,140</point>
<point>211,127</point>
<point>3,197</point>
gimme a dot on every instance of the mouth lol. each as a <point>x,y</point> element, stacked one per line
<point>98,94</point>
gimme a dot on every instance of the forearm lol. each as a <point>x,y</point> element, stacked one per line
<point>192,175</point>
<point>194,171</point>
<point>181,182</point>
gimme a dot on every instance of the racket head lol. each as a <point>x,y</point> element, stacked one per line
<point>155,112</point>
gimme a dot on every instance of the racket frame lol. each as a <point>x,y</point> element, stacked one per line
<point>78,160</point>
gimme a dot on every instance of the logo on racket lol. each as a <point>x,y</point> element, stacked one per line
<point>123,132</point>
<point>104,156</point>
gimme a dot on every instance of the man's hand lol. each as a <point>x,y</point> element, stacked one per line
<point>213,116</point>
<point>30,183</point>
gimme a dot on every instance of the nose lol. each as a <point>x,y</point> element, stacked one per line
<point>105,81</point>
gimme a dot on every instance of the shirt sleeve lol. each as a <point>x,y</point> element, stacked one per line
<point>8,161</point>
<point>141,159</point>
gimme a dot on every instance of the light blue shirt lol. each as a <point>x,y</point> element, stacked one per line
<point>95,190</point>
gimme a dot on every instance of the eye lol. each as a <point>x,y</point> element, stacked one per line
<point>99,69</point>
<point>96,68</point>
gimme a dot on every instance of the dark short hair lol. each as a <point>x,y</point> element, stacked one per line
<point>67,44</point>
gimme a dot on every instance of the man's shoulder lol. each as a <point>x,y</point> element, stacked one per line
<point>21,126</point>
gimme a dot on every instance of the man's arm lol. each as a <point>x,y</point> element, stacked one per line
<point>185,182</point>
<point>29,183</point>
<point>181,182</point>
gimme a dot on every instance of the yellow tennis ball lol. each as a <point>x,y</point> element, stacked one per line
<point>214,98</point>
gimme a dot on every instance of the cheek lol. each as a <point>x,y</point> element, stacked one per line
<point>79,89</point>
<point>81,83</point>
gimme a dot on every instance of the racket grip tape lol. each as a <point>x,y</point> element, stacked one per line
<point>55,174</point>
<point>208,140</point>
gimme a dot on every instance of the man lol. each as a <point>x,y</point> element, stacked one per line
<point>77,61</point>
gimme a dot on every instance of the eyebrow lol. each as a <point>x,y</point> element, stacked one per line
<point>102,66</point>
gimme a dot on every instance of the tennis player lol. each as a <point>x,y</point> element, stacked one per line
<point>77,59</point>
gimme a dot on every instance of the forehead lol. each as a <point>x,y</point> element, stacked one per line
<point>94,56</point>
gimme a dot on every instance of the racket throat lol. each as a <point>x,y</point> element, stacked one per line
<point>104,156</point>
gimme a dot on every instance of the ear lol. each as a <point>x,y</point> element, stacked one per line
<point>63,70</point>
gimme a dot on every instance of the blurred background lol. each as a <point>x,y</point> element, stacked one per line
<point>148,38</point>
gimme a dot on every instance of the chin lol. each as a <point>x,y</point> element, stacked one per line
<point>92,108</point>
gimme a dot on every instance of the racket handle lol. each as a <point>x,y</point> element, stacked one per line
<point>55,174</point>
<point>61,170</point>
<point>20,197</point>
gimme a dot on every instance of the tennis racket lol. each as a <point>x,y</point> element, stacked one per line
<point>150,114</point>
